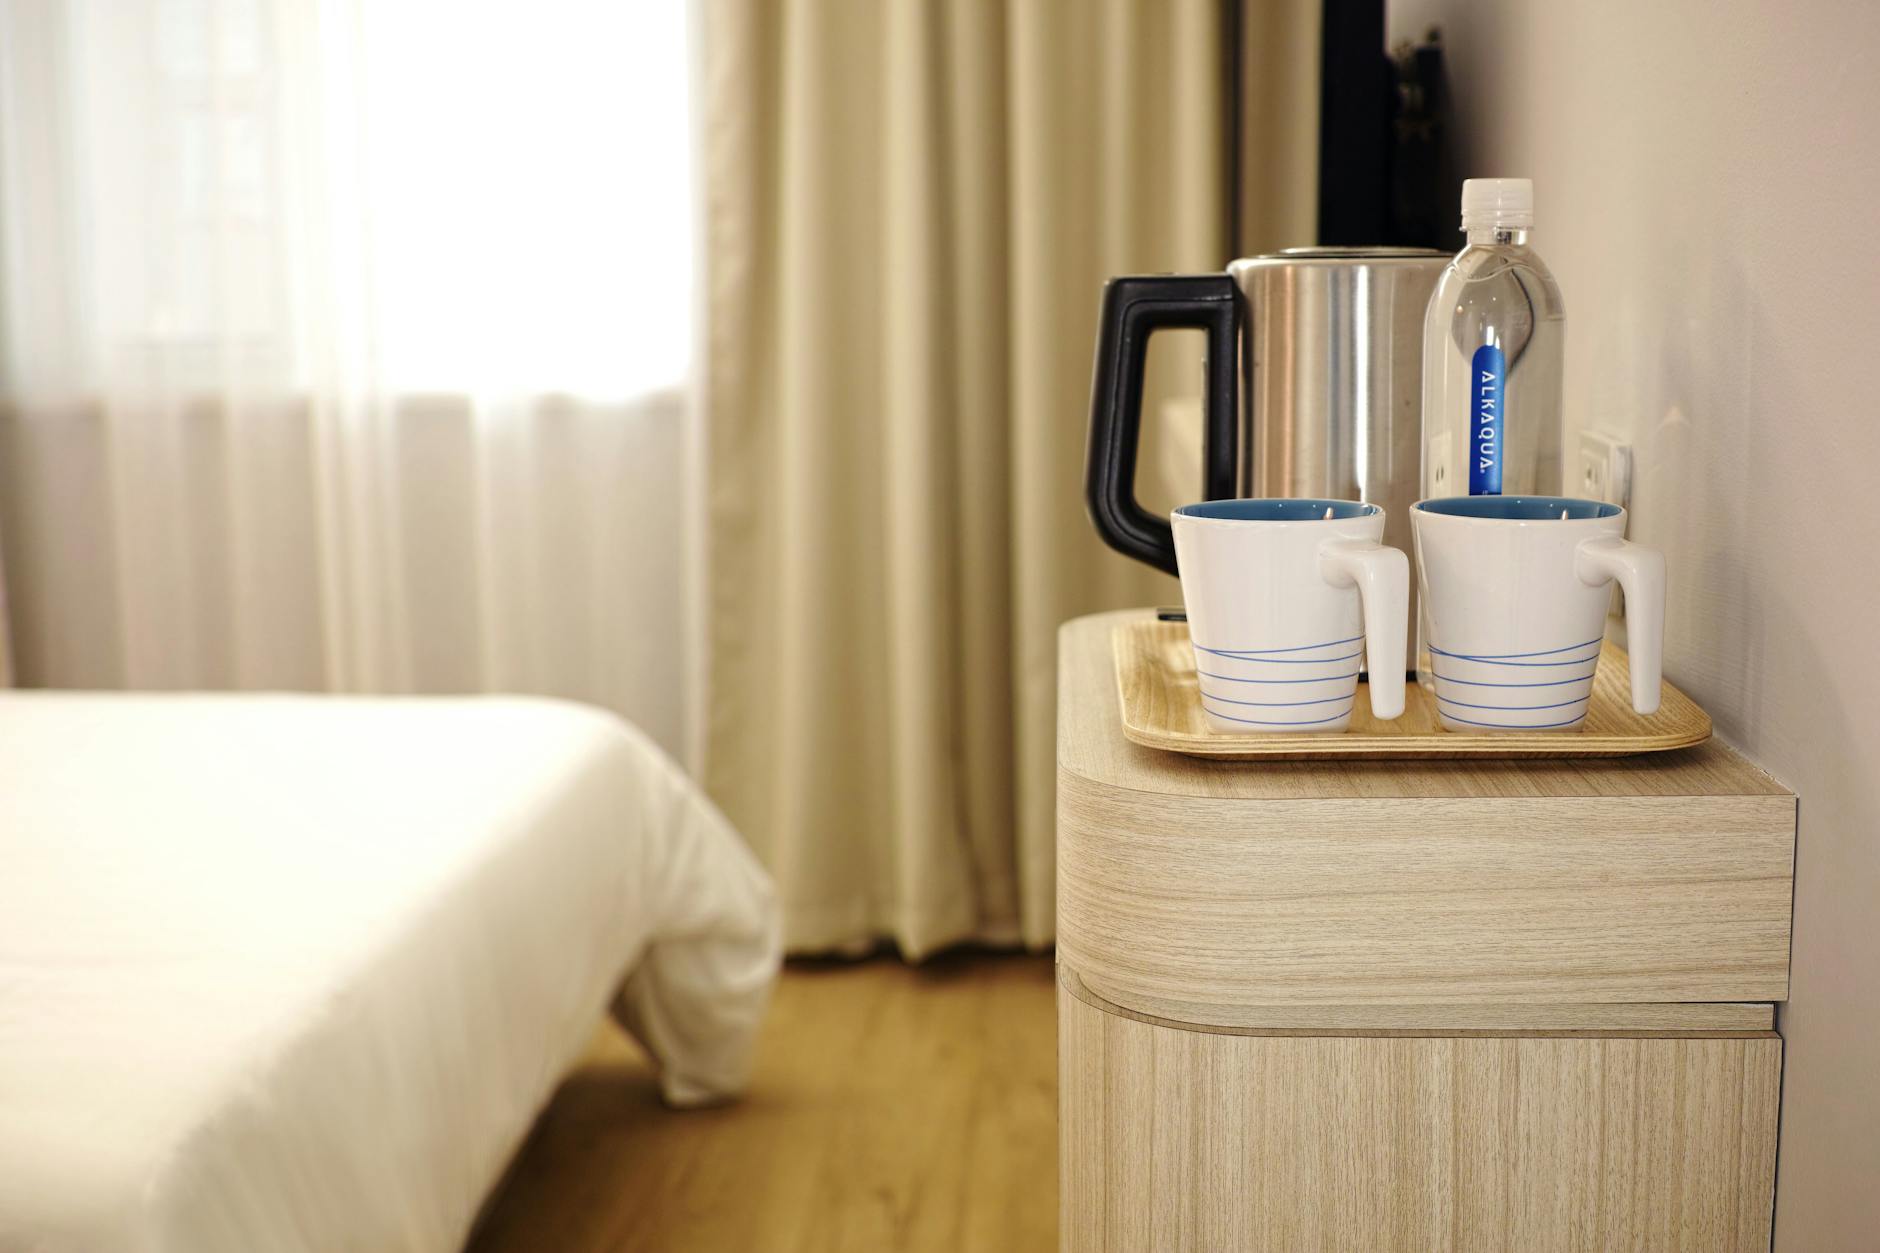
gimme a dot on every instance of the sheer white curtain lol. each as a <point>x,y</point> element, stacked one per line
<point>344,345</point>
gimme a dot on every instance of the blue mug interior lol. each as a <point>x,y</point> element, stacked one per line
<point>1275,510</point>
<point>1519,508</point>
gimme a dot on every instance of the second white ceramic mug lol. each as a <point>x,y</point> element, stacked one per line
<point>1514,592</point>
<point>1285,598</point>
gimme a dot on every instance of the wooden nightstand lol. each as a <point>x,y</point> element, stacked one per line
<point>1382,1005</point>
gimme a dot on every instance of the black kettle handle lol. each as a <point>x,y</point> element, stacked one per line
<point>1133,309</point>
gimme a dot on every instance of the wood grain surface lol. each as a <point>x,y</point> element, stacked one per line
<point>1091,743</point>
<point>1185,1140</point>
<point>1384,1020</point>
<point>1647,880</point>
<point>1425,901</point>
<point>894,1109</point>
<point>1161,708</point>
<point>1450,1019</point>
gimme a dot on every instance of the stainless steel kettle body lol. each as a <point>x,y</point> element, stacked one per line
<point>1315,384</point>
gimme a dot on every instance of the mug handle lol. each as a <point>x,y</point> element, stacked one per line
<point>1641,572</point>
<point>1382,577</point>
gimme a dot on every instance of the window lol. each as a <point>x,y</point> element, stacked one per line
<point>455,197</point>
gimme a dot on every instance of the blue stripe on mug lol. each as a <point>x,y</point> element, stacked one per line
<point>1254,654</point>
<point>1526,665</point>
<point>1324,678</point>
<point>1443,678</point>
<point>1273,704</point>
<point>1516,708</point>
<point>1283,661</point>
<point>1518,726</point>
<point>1545,652</point>
<point>1262,722</point>
<point>1513,664</point>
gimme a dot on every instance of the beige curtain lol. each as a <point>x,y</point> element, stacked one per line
<point>6,640</point>
<point>910,211</point>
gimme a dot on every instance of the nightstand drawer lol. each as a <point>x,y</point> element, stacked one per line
<point>1172,1139</point>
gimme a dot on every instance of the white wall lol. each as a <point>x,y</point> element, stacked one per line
<point>1707,178</point>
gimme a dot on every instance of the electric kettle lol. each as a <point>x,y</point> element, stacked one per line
<point>1326,347</point>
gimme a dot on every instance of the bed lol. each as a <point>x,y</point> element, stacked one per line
<point>298,972</point>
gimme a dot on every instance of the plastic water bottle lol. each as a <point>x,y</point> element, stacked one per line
<point>1492,342</point>
<point>1491,356</point>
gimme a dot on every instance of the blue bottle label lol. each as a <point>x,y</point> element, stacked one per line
<point>1485,414</point>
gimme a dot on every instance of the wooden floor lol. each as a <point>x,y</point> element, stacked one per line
<point>893,1108</point>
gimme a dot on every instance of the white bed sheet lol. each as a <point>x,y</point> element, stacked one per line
<point>297,972</point>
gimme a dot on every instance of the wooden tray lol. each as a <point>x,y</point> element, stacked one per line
<point>1155,676</point>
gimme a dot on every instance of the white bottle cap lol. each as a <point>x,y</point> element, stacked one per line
<point>1505,202</point>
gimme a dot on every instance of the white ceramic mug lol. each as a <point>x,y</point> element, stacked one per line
<point>1514,592</point>
<point>1283,597</point>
